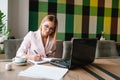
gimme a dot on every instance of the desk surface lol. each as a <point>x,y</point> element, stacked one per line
<point>107,69</point>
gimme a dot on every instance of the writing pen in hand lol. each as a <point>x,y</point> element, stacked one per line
<point>35,51</point>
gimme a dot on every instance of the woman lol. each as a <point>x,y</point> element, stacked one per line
<point>41,43</point>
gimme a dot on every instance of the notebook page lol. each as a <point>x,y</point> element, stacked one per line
<point>44,60</point>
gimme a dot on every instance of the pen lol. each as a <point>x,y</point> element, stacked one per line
<point>35,51</point>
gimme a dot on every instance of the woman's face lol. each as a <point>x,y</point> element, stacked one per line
<point>47,28</point>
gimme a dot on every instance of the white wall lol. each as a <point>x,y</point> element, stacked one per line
<point>4,7</point>
<point>18,17</point>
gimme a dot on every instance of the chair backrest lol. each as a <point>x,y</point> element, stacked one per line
<point>106,48</point>
<point>59,49</point>
<point>11,46</point>
<point>66,49</point>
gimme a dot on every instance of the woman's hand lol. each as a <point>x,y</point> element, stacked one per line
<point>35,57</point>
<point>50,55</point>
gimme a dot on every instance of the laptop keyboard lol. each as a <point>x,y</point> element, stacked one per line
<point>61,63</point>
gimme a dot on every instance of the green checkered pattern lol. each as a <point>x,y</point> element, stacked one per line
<point>79,18</point>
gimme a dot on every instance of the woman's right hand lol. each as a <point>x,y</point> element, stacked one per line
<point>35,57</point>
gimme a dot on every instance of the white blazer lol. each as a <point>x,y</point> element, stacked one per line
<point>33,41</point>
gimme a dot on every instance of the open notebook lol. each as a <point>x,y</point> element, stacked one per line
<point>44,60</point>
<point>83,53</point>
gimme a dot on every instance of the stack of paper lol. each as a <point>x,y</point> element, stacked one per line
<point>44,72</point>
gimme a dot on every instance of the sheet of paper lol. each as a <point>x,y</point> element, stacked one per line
<point>44,72</point>
<point>44,60</point>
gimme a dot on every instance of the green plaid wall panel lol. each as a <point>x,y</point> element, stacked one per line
<point>79,18</point>
<point>33,14</point>
<point>61,8</point>
<point>33,20</point>
<point>41,15</point>
<point>108,12</point>
<point>92,24</point>
<point>78,25</point>
<point>43,7</point>
<point>78,10</point>
<point>100,26</point>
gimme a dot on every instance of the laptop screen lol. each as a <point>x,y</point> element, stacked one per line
<point>83,51</point>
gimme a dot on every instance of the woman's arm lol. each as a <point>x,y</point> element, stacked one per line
<point>25,45</point>
<point>25,48</point>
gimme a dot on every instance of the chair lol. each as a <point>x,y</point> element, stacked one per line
<point>66,49</point>
<point>106,48</point>
<point>11,46</point>
<point>59,49</point>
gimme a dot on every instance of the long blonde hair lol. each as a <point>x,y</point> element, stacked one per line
<point>51,18</point>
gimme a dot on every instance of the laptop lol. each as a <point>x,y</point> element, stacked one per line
<point>82,53</point>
